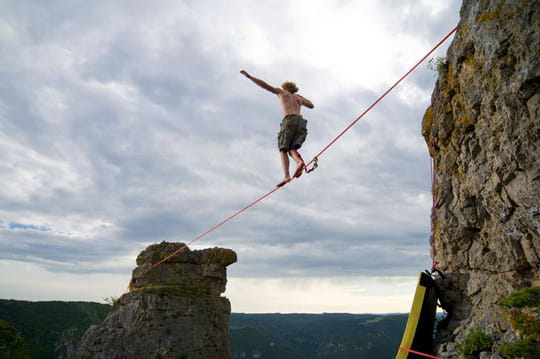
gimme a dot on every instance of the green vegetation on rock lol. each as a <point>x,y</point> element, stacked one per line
<point>440,65</point>
<point>524,314</point>
<point>174,290</point>
<point>474,343</point>
<point>527,322</point>
<point>526,349</point>
<point>524,311</point>
<point>525,297</point>
<point>112,301</point>
<point>500,13</point>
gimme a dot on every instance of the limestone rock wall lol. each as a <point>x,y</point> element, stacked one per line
<point>173,311</point>
<point>483,131</point>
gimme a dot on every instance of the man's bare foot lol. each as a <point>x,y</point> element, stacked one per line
<point>284,182</point>
<point>299,170</point>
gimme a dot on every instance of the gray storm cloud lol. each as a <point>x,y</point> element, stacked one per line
<point>123,124</point>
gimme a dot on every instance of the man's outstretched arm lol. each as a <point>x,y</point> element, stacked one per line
<point>261,83</point>
<point>306,102</point>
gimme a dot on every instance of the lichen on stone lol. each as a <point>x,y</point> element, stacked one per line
<point>175,290</point>
<point>482,131</point>
<point>521,349</point>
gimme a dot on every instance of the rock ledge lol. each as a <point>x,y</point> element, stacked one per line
<point>173,311</point>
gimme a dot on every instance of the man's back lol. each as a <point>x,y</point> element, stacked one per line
<point>290,103</point>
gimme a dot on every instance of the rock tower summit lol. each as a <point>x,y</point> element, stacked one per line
<point>172,311</point>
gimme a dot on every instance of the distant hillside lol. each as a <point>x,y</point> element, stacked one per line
<point>48,329</point>
<point>298,336</point>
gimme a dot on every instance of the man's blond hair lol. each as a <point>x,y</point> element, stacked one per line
<point>289,86</point>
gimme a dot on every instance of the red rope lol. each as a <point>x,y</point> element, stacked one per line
<point>418,353</point>
<point>313,160</point>
<point>208,231</point>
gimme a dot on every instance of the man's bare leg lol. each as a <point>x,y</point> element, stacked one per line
<point>285,165</point>
<point>299,162</point>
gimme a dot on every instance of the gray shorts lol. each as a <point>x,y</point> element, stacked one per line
<point>292,132</point>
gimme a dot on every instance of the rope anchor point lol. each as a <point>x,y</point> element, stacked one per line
<point>315,162</point>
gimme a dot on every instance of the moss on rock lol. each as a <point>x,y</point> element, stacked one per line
<point>525,297</point>
<point>474,343</point>
<point>525,349</point>
<point>175,290</point>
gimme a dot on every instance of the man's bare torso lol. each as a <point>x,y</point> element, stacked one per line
<point>290,103</point>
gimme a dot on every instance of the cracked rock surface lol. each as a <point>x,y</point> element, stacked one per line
<point>483,132</point>
<point>172,311</point>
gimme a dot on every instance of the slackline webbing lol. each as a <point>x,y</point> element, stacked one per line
<point>419,353</point>
<point>316,157</point>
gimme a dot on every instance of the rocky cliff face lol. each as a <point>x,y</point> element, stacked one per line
<point>172,311</point>
<point>483,132</point>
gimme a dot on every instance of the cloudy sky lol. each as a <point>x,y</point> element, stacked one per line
<point>127,123</point>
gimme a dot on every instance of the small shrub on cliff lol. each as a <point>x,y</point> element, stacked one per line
<point>112,301</point>
<point>525,297</point>
<point>526,349</point>
<point>524,315</point>
<point>474,343</point>
<point>439,64</point>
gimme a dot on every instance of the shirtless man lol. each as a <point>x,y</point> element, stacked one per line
<point>293,129</point>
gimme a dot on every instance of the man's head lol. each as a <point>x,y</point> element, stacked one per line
<point>289,86</point>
